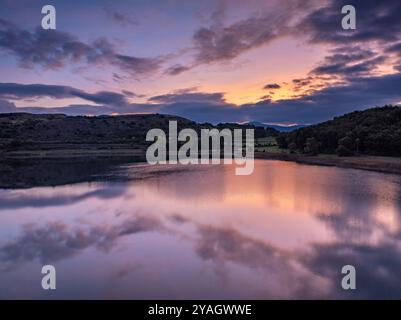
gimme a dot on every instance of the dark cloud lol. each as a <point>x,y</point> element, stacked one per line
<point>131,94</point>
<point>360,93</point>
<point>52,49</point>
<point>15,91</point>
<point>272,86</point>
<point>177,69</point>
<point>195,97</point>
<point>219,42</point>
<point>395,49</point>
<point>136,65</point>
<point>349,54</point>
<point>376,21</point>
<point>357,93</point>
<point>120,18</point>
<point>84,109</point>
<point>344,69</point>
<point>302,81</point>
<point>359,61</point>
<point>266,97</point>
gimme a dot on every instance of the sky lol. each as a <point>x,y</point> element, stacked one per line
<point>282,62</point>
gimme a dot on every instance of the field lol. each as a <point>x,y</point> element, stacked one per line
<point>268,144</point>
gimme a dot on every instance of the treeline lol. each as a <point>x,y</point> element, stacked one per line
<point>23,131</point>
<point>259,132</point>
<point>374,131</point>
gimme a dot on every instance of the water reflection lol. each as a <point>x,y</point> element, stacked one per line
<point>202,232</point>
<point>28,173</point>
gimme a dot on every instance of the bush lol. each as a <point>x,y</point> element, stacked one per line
<point>343,151</point>
<point>311,146</point>
<point>347,142</point>
<point>292,147</point>
<point>281,142</point>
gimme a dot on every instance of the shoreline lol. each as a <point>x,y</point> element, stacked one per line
<point>370,163</point>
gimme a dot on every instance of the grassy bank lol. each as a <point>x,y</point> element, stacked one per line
<point>75,153</point>
<point>267,148</point>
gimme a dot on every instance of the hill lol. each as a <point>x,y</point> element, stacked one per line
<point>375,131</point>
<point>23,132</point>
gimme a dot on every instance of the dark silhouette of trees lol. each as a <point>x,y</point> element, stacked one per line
<point>375,131</point>
<point>312,146</point>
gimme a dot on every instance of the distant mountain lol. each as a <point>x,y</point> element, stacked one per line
<point>276,127</point>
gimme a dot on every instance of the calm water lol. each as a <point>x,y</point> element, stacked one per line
<point>202,232</point>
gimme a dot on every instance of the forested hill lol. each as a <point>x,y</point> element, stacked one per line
<point>374,131</point>
<point>22,131</point>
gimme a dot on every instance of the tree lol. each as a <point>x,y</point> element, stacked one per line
<point>292,147</point>
<point>345,147</point>
<point>347,142</point>
<point>311,146</point>
<point>343,151</point>
<point>373,131</point>
<point>281,141</point>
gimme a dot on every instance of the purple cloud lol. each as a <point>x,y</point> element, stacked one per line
<point>52,49</point>
<point>15,91</point>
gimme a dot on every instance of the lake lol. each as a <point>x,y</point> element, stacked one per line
<point>136,231</point>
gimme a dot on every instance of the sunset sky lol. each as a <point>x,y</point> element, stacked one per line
<point>218,61</point>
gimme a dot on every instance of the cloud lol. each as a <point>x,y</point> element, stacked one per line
<point>15,91</point>
<point>361,68</point>
<point>376,21</point>
<point>177,69</point>
<point>18,200</point>
<point>219,42</point>
<point>136,65</point>
<point>56,241</point>
<point>226,244</point>
<point>131,94</point>
<point>361,61</point>
<point>272,86</point>
<point>395,48</point>
<point>6,106</point>
<point>378,267</point>
<point>189,96</point>
<point>52,49</point>
<point>360,93</point>
<point>278,268</point>
<point>357,93</point>
<point>120,17</point>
